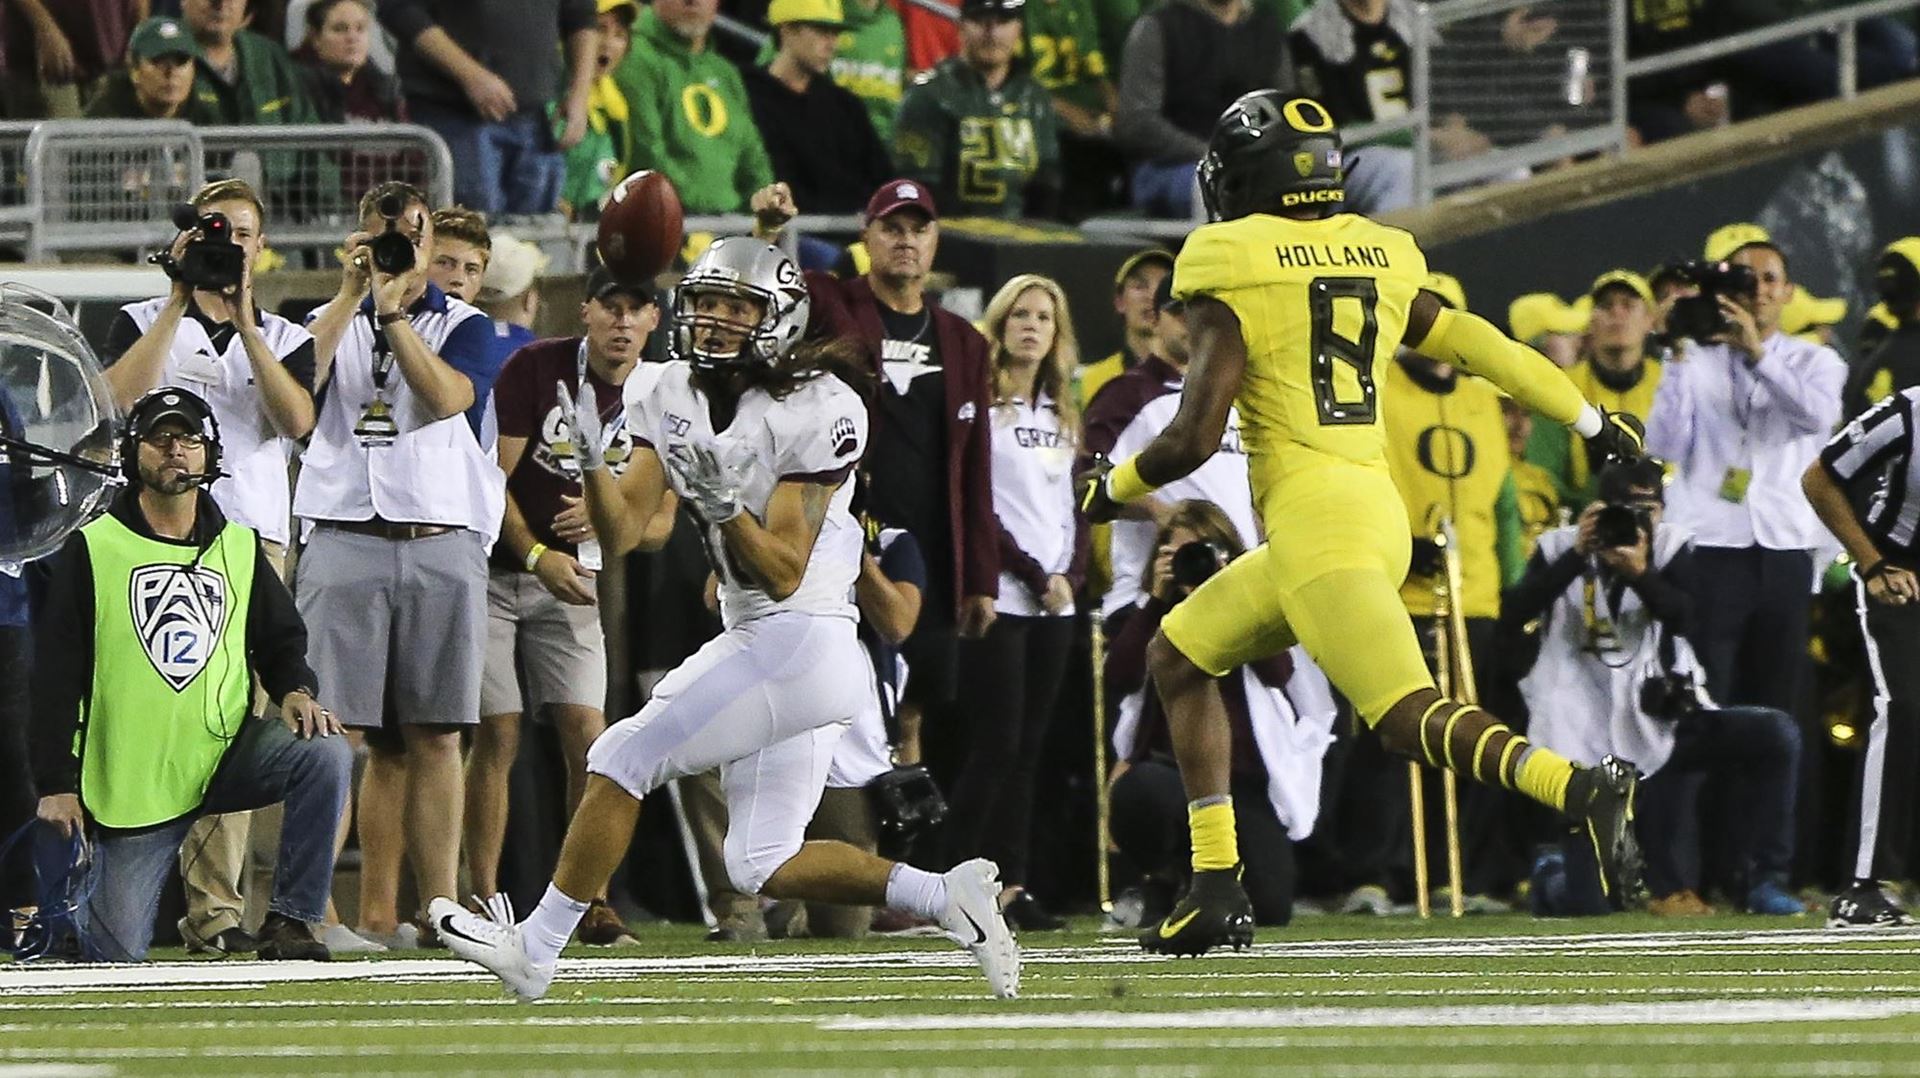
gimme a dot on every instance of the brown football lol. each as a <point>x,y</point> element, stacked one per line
<point>640,227</point>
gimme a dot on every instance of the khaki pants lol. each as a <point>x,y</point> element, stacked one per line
<point>843,816</point>
<point>705,806</point>
<point>213,859</point>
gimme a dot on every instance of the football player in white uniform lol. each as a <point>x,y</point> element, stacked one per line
<point>758,437</point>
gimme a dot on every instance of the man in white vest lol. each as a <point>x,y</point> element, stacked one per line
<point>400,505</point>
<point>255,369</point>
<point>1611,600</point>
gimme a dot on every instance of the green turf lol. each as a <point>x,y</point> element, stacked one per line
<point>1738,997</point>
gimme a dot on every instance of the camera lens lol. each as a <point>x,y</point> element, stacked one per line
<point>391,206</point>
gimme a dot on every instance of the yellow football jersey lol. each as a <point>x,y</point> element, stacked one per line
<point>1449,457</point>
<point>1322,305</point>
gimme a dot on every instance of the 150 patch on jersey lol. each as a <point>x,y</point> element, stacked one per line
<point>178,614</point>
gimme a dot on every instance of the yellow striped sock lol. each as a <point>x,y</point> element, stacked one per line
<point>1543,775</point>
<point>1215,845</point>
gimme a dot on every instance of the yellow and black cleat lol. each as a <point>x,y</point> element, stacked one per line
<point>1213,913</point>
<point>1600,800</point>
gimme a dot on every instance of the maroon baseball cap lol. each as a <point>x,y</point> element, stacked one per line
<point>896,195</point>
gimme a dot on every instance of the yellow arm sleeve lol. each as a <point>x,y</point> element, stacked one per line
<point>1471,343</point>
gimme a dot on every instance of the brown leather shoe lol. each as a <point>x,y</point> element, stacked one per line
<point>1679,904</point>
<point>602,926</point>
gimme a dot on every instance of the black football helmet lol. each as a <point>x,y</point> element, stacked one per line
<point>1271,152</point>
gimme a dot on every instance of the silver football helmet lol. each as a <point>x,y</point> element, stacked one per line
<point>750,269</point>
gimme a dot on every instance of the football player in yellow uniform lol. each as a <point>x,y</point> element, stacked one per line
<point>1294,309</point>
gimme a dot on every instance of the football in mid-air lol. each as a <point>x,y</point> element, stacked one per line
<point>640,226</point>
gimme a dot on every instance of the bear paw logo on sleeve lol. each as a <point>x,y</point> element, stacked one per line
<point>845,437</point>
<point>178,614</point>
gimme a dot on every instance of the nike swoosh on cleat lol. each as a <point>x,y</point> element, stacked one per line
<point>1170,929</point>
<point>979,934</point>
<point>446,928</point>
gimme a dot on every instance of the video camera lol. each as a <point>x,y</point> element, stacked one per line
<point>211,260</point>
<point>1621,525</point>
<point>392,249</point>
<point>1699,316</point>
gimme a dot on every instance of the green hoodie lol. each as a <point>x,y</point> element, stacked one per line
<point>870,61</point>
<point>689,118</point>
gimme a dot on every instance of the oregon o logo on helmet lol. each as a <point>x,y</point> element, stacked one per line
<point>1306,114</point>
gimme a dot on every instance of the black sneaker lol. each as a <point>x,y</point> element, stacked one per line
<point>284,939</point>
<point>1026,914</point>
<point>1213,913</point>
<point>1865,905</point>
<point>1600,800</point>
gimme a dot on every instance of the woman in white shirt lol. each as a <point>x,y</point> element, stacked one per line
<point>1011,677</point>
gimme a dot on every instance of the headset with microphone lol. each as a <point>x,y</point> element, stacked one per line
<point>171,400</point>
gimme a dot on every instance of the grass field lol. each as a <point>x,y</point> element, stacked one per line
<point>1338,997</point>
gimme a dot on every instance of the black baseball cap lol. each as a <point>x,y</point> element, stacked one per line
<point>170,402</point>
<point>987,9</point>
<point>602,283</point>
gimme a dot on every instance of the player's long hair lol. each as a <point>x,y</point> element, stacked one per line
<point>1056,368</point>
<point>808,360</point>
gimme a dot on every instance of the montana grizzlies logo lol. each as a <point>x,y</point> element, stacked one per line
<point>178,613</point>
<point>845,437</point>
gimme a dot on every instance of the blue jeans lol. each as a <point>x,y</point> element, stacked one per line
<point>513,166</point>
<point>1164,188</point>
<point>266,764</point>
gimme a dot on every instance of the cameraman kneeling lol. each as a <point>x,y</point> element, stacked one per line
<point>1280,711</point>
<point>1611,596</point>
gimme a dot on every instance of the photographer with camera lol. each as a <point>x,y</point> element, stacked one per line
<point>1608,601</point>
<point>255,369</point>
<point>1873,455</point>
<point>1280,710</point>
<point>402,506</point>
<point>1742,409</point>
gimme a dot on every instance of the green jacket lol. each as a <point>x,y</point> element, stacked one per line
<point>269,91</point>
<point>118,101</point>
<point>870,61</point>
<point>985,153</point>
<point>689,118</point>
<point>1063,45</point>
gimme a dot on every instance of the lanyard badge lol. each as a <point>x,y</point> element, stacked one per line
<point>377,427</point>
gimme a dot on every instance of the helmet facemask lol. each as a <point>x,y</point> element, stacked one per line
<point>745,270</point>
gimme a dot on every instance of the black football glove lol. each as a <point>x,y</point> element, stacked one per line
<point>1622,437</point>
<point>1095,502</point>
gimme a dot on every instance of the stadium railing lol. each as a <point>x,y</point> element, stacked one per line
<point>106,184</point>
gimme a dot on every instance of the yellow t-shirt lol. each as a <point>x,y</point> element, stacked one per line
<point>1449,456</point>
<point>1636,401</point>
<point>1322,305</point>
<point>1092,376</point>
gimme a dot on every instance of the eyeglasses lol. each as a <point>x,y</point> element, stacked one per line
<point>165,440</point>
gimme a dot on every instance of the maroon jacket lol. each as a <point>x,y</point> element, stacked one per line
<point>848,309</point>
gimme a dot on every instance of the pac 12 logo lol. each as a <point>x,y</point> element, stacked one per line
<point>178,614</point>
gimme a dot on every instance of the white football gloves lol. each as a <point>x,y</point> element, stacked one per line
<point>580,424</point>
<point>712,485</point>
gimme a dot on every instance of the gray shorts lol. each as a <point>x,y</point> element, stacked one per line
<point>396,625</point>
<point>558,648</point>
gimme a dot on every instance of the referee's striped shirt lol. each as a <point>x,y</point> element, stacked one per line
<point>1877,447</point>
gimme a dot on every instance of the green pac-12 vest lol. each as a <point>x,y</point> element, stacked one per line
<point>170,679</point>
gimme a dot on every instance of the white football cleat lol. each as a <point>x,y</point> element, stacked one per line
<point>492,941</point>
<point>973,919</point>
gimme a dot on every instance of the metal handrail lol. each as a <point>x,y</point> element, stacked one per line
<point>228,139</point>
<point>1829,19</point>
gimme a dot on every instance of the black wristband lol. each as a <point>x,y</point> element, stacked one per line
<point>1879,568</point>
<point>391,317</point>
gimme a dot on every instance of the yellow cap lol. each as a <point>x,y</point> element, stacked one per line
<point>1537,314</point>
<point>1447,287</point>
<point>824,12</point>
<point>1907,247</point>
<point>1804,310</point>
<point>631,7</point>
<point>1730,238</point>
<point>1625,278</point>
<point>1140,258</point>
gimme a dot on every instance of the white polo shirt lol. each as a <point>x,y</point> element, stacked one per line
<point>434,472</point>
<point>211,361</point>
<point>1033,495</point>
<point>1740,437</point>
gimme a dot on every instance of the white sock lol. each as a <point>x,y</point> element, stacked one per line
<point>917,891</point>
<point>551,925</point>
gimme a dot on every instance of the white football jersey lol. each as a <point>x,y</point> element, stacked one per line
<point>817,433</point>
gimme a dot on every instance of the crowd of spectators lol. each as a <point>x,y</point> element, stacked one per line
<point>1049,109</point>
